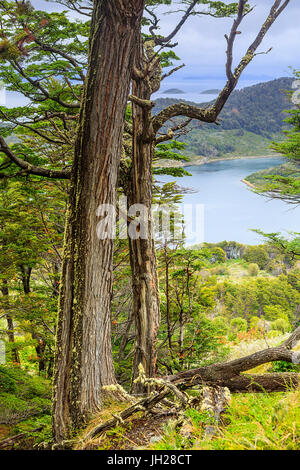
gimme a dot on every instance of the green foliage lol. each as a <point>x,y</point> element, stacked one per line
<point>221,324</point>
<point>281,325</point>
<point>252,422</point>
<point>282,366</point>
<point>238,324</point>
<point>7,383</point>
<point>49,73</point>
<point>32,224</point>
<point>187,296</point>
<point>253,269</point>
<point>256,296</point>
<point>256,255</point>
<point>25,400</point>
<point>274,312</point>
<point>287,246</point>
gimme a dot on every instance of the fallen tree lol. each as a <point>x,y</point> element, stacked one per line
<point>215,379</point>
<point>10,441</point>
<point>228,374</point>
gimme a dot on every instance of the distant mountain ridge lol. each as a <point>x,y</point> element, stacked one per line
<point>250,120</point>
<point>257,108</point>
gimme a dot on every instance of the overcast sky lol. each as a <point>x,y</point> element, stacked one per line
<point>201,46</point>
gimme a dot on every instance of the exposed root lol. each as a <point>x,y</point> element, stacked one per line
<point>214,400</point>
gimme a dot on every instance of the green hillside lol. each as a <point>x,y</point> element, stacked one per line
<point>251,119</point>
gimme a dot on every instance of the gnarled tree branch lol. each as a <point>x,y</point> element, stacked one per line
<point>32,169</point>
<point>210,114</point>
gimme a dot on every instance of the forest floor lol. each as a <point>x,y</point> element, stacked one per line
<point>135,434</point>
<point>261,421</point>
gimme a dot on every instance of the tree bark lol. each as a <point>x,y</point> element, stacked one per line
<point>146,300</point>
<point>83,362</point>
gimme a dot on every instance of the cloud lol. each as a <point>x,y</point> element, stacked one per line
<point>202,44</point>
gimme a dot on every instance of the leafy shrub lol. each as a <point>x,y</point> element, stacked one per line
<point>256,254</point>
<point>282,366</point>
<point>22,395</point>
<point>238,324</point>
<point>254,321</point>
<point>281,325</point>
<point>273,312</point>
<point>253,269</point>
<point>7,384</point>
<point>273,333</point>
<point>221,324</point>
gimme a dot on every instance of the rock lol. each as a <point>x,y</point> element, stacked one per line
<point>155,439</point>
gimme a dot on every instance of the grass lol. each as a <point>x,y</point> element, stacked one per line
<point>227,143</point>
<point>253,422</point>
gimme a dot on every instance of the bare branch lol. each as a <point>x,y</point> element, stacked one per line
<point>141,102</point>
<point>165,75</point>
<point>31,169</point>
<point>171,132</point>
<point>210,114</point>
<point>71,60</point>
<point>167,39</point>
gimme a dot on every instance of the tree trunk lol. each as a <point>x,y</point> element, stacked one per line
<point>40,347</point>
<point>25,274</point>
<point>168,319</point>
<point>146,301</point>
<point>13,353</point>
<point>83,362</point>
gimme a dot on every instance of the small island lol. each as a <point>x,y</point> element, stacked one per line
<point>214,91</point>
<point>173,91</point>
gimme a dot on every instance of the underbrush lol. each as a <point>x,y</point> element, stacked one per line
<point>25,404</point>
<point>260,421</point>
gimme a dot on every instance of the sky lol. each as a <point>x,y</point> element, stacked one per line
<point>201,47</point>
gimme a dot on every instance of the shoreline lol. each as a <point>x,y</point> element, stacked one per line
<point>248,183</point>
<point>203,160</point>
<point>222,159</point>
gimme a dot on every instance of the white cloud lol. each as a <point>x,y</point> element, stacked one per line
<point>202,44</point>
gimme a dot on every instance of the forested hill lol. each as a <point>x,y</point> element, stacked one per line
<point>256,108</point>
<point>251,119</point>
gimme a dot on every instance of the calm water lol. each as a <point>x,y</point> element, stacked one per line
<point>231,209</point>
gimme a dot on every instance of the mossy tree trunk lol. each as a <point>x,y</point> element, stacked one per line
<point>146,301</point>
<point>83,362</point>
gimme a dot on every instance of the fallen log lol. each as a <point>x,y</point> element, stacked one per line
<point>215,402</point>
<point>216,377</point>
<point>230,374</point>
<point>9,441</point>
